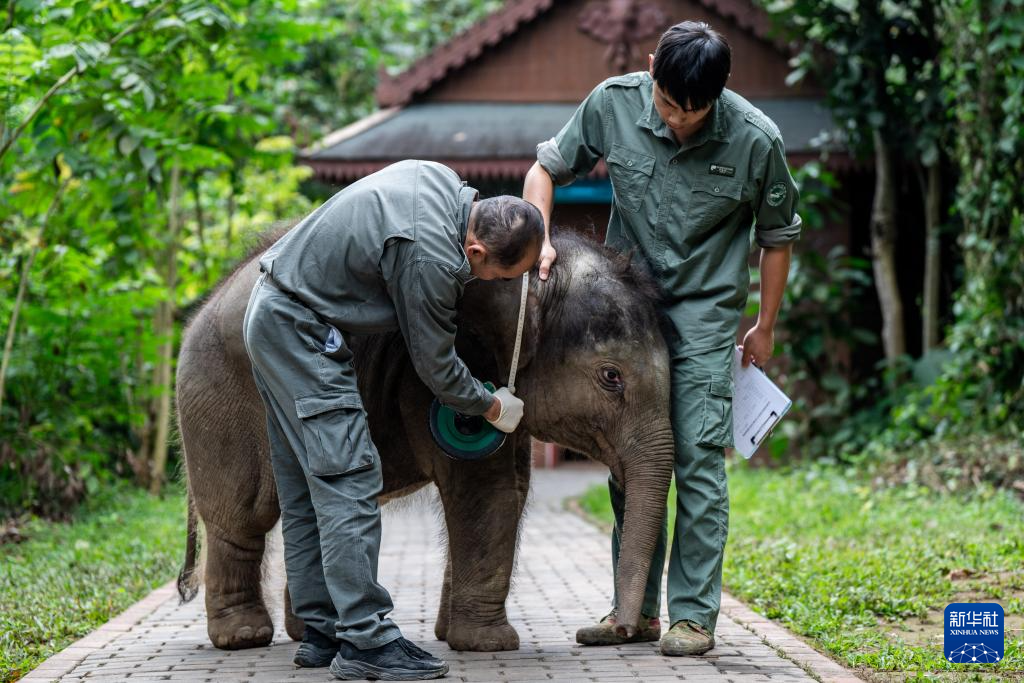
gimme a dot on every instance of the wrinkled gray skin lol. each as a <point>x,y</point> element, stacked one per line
<point>591,321</point>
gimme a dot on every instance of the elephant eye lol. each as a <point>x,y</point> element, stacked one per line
<point>611,378</point>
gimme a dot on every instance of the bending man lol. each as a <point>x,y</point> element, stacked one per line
<point>392,251</point>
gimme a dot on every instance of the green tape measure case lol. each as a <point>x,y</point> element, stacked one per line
<point>464,437</point>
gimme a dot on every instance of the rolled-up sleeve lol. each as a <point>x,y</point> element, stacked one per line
<point>776,221</point>
<point>425,294</point>
<point>576,149</point>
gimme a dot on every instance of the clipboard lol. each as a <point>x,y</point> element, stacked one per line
<point>757,405</point>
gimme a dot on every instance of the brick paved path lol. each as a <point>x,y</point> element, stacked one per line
<point>562,581</point>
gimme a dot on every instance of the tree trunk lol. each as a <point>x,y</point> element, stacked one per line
<point>145,432</point>
<point>229,237</point>
<point>883,252</point>
<point>13,324</point>
<point>19,299</point>
<point>164,324</point>
<point>932,259</point>
<point>201,228</point>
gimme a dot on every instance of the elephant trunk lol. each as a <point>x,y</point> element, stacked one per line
<point>646,473</point>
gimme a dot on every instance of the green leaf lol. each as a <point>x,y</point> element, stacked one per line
<point>60,51</point>
<point>129,81</point>
<point>90,54</point>
<point>796,75</point>
<point>17,55</point>
<point>169,22</point>
<point>147,96</point>
<point>127,144</point>
<point>148,157</point>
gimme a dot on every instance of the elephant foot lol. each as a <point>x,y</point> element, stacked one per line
<point>441,624</point>
<point>293,625</point>
<point>482,638</point>
<point>241,628</point>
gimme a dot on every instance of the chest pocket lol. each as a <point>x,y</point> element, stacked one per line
<point>631,174</point>
<point>712,199</point>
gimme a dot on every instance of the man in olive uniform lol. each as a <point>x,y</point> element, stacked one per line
<point>692,166</point>
<point>392,251</point>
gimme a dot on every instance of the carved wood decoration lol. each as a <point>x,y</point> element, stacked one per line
<point>622,24</point>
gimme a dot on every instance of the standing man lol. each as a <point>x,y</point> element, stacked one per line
<point>692,166</point>
<point>392,251</point>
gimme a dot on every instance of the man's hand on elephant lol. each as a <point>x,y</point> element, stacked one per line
<point>510,413</point>
<point>758,345</point>
<point>547,257</point>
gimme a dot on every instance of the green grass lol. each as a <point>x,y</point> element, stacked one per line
<point>866,573</point>
<point>67,579</point>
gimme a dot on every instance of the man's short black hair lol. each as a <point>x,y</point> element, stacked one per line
<point>692,63</point>
<point>509,227</point>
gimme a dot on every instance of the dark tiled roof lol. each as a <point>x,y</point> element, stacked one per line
<point>470,44</point>
<point>499,140</point>
<point>455,131</point>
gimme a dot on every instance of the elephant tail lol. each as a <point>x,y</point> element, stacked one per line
<point>187,588</point>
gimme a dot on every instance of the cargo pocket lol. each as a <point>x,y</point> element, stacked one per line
<point>716,423</point>
<point>631,174</point>
<point>335,433</point>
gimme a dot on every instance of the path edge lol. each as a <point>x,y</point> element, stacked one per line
<point>788,644</point>
<point>63,662</point>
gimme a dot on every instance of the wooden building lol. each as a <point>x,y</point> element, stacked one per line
<point>481,102</point>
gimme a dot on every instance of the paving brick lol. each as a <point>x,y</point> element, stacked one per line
<point>555,592</point>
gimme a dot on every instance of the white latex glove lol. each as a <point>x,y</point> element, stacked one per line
<point>511,411</point>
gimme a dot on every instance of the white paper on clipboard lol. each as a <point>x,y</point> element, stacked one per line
<point>757,405</point>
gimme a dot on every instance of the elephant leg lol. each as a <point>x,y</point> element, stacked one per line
<point>444,609</point>
<point>293,625</point>
<point>236,616</point>
<point>483,505</point>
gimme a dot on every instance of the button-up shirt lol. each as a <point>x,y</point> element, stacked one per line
<point>689,208</point>
<point>387,253</point>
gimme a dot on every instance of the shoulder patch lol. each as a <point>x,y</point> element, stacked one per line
<point>776,194</point>
<point>762,122</point>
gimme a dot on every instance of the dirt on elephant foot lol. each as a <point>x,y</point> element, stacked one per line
<point>482,638</point>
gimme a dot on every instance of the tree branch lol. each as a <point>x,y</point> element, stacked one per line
<point>74,71</point>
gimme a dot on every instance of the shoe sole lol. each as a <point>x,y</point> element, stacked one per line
<point>312,663</point>
<point>682,652</point>
<point>358,671</point>
<point>610,638</point>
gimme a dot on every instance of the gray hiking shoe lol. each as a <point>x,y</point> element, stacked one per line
<point>316,650</point>
<point>603,632</point>
<point>399,660</point>
<point>686,638</point>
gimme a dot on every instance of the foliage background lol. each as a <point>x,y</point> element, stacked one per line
<point>142,145</point>
<point>934,88</point>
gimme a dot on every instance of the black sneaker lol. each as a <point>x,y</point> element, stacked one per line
<point>399,660</point>
<point>316,650</point>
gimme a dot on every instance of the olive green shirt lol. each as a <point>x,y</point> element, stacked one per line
<point>387,253</point>
<point>687,208</point>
